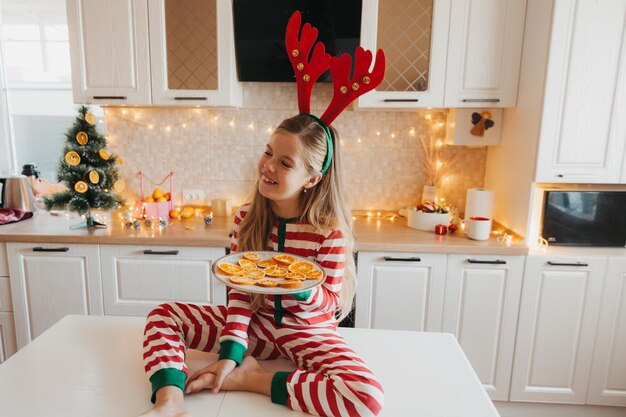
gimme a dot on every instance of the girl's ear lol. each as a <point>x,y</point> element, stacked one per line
<point>313,181</point>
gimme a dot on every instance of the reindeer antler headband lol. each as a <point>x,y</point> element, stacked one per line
<point>307,71</point>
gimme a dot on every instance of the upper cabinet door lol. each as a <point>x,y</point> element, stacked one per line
<point>414,36</point>
<point>484,52</point>
<point>192,53</point>
<point>109,51</point>
<point>583,130</point>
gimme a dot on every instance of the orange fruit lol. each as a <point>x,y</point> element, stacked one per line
<point>314,274</point>
<point>103,154</point>
<point>290,283</point>
<point>94,177</point>
<point>82,138</point>
<point>149,199</point>
<point>301,267</point>
<point>265,263</point>
<point>119,186</point>
<point>81,187</point>
<point>90,118</point>
<point>284,259</point>
<point>119,160</point>
<point>229,269</point>
<point>187,212</point>
<point>161,200</point>
<point>157,193</point>
<point>175,214</point>
<point>254,274</point>
<point>275,271</point>
<point>72,158</point>
<point>247,264</point>
<point>241,280</point>
<point>251,256</point>
<point>167,196</point>
<point>295,275</point>
<point>266,283</point>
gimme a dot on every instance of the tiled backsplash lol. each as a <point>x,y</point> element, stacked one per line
<point>218,150</point>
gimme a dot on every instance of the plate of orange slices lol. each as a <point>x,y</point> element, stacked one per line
<point>266,272</point>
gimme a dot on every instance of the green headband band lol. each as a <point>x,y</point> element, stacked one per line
<point>329,142</point>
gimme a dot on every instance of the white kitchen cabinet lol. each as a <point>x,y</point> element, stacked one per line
<point>8,345</point>
<point>109,50</point>
<point>400,291</point>
<point>153,52</point>
<point>414,36</point>
<point>583,131</point>
<point>558,316</point>
<point>607,384</point>
<point>50,281</point>
<point>484,53</point>
<point>481,309</point>
<point>136,278</point>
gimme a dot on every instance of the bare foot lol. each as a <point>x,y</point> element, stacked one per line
<point>169,403</point>
<point>249,376</point>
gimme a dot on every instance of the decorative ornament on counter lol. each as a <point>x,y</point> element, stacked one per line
<point>158,203</point>
<point>163,223</point>
<point>148,222</point>
<point>441,229</point>
<point>481,121</point>
<point>136,224</point>
<point>208,218</point>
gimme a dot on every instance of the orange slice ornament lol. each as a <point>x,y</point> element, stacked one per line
<point>94,177</point>
<point>301,267</point>
<point>91,118</point>
<point>295,275</point>
<point>230,269</point>
<point>82,138</point>
<point>290,283</point>
<point>314,274</point>
<point>251,256</point>
<point>266,283</point>
<point>119,186</point>
<point>275,271</point>
<point>254,274</point>
<point>72,158</point>
<point>103,154</point>
<point>241,280</point>
<point>265,263</point>
<point>247,264</point>
<point>81,187</point>
<point>284,259</point>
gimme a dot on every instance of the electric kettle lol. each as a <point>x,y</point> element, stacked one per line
<point>17,193</point>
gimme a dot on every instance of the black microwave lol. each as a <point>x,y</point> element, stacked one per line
<point>585,218</point>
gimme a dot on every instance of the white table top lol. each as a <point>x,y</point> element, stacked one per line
<point>91,366</point>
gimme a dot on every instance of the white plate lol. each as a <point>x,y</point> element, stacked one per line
<point>234,258</point>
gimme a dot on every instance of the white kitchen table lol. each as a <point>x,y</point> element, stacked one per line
<point>91,366</point>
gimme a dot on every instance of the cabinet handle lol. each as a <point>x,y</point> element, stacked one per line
<point>190,98</point>
<point>559,175</point>
<point>567,263</point>
<point>481,100</point>
<point>109,97</point>
<point>401,100</point>
<point>411,259</point>
<point>42,249</point>
<point>478,261</point>
<point>160,252</point>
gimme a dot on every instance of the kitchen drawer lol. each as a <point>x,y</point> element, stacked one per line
<point>5,294</point>
<point>4,264</point>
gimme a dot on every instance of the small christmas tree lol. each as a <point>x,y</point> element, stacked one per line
<point>88,170</point>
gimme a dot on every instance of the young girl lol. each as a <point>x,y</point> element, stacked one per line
<point>297,208</point>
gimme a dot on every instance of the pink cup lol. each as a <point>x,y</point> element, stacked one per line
<point>478,228</point>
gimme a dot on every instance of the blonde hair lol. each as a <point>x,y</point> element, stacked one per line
<point>323,206</point>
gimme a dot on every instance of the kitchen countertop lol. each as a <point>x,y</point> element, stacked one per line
<point>372,234</point>
<point>91,366</point>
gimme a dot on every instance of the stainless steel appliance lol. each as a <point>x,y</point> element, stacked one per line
<point>17,193</point>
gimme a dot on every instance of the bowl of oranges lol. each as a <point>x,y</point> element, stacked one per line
<point>157,204</point>
<point>267,272</point>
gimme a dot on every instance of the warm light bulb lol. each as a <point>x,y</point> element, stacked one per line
<point>428,116</point>
<point>359,140</point>
<point>393,135</point>
<point>184,124</point>
<point>150,127</point>
<point>168,128</point>
<point>439,164</point>
<point>251,126</point>
<point>269,129</point>
<point>124,112</point>
<point>231,123</point>
<point>439,143</point>
<point>377,133</point>
<point>412,132</point>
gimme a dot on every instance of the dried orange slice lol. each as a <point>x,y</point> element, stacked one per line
<point>251,256</point>
<point>247,264</point>
<point>301,267</point>
<point>119,160</point>
<point>275,271</point>
<point>119,186</point>
<point>82,138</point>
<point>241,280</point>
<point>81,187</point>
<point>266,283</point>
<point>90,118</point>
<point>254,274</point>
<point>265,263</point>
<point>284,259</point>
<point>229,269</point>
<point>314,274</point>
<point>94,177</point>
<point>295,275</point>
<point>72,158</point>
<point>103,154</point>
<point>290,283</point>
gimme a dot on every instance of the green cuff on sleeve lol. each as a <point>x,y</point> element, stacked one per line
<point>165,377</point>
<point>279,388</point>
<point>232,350</point>
<point>302,295</point>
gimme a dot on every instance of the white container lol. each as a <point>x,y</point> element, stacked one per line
<point>426,221</point>
<point>478,228</point>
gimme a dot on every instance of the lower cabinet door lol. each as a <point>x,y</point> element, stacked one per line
<point>607,385</point>
<point>50,281</point>
<point>138,278</point>
<point>557,325</point>
<point>400,291</point>
<point>8,346</point>
<point>481,305</point>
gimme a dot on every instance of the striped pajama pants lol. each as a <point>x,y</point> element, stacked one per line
<point>330,379</point>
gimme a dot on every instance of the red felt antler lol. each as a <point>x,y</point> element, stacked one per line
<point>298,48</point>
<point>347,90</point>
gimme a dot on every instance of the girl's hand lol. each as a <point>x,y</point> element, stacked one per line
<point>211,376</point>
